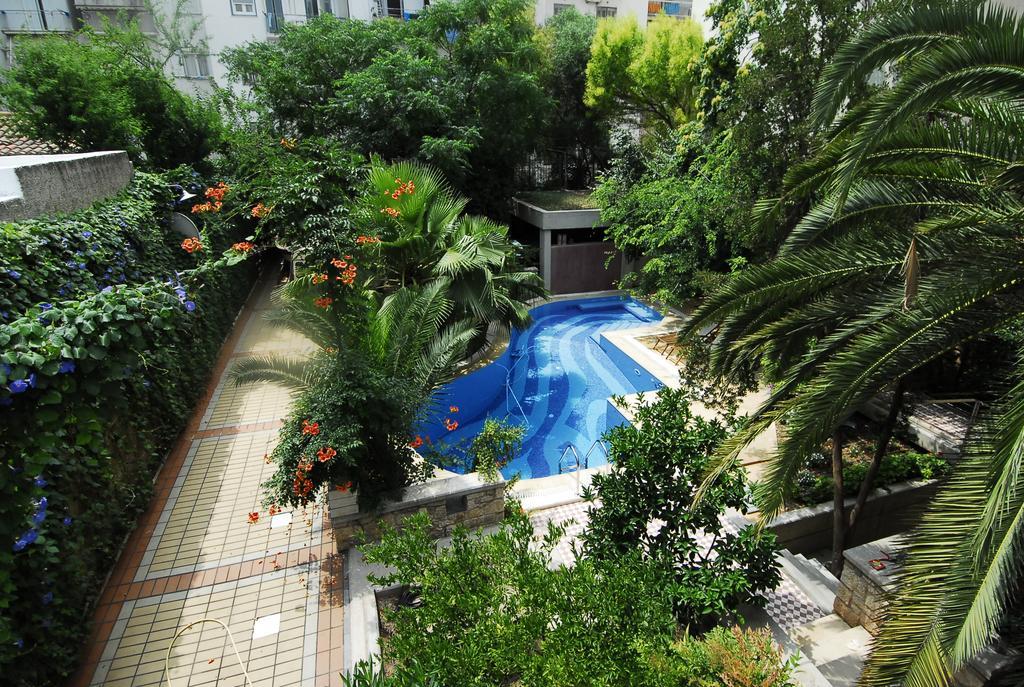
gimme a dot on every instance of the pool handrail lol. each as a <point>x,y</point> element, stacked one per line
<point>561,458</point>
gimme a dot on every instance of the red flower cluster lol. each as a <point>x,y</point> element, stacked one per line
<point>215,196</point>
<point>242,247</point>
<point>325,454</point>
<point>391,212</point>
<point>302,485</point>
<point>453,409</point>
<point>191,245</point>
<point>408,187</point>
<point>254,518</point>
<point>260,211</point>
<point>363,240</point>
<point>274,510</point>
<point>310,428</point>
<point>417,442</point>
<point>323,302</point>
<point>343,487</point>
<point>450,424</point>
<point>319,278</point>
<point>348,270</point>
<point>288,143</point>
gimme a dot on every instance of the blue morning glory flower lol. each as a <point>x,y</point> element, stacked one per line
<point>86,234</point>
<point>190,306</point>
<point>39,517</point>
<point>14,275</point>
<point>46,306</point>
<point>66,367</point>
<point>71,263</point>
<point>19,386</point>
<point>20,545</point>
<point>40,482</point>
<point>108,289</point>
<point>46,598</point>
<point>43,503</point>
<point>67,521</point>
<point>81,265</point>
<point>61,291</point>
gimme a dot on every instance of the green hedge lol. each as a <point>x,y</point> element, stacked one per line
<point>108,336</point>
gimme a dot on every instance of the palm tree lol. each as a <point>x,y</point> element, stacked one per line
<point>406,334</point>
<point>912,247</point>
<point>426,237</point>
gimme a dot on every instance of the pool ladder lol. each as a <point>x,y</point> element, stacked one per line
<point>577,464</point>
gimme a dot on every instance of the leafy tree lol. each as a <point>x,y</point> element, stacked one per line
<point>681,203</point>
<point>649,507</point>
<point>91,93</point>
<point>645,74</point>
<point>912,247</point>
<point>566,38</point>
<point>459,88</point>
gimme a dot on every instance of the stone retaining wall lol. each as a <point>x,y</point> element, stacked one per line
<point>452,500</point>
<point>888,511</point>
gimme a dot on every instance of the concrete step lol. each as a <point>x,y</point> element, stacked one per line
<point>822,574</point>
<point>830,640</point>
<point>807,580</point>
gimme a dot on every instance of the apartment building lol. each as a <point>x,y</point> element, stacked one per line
<point>221,24</point>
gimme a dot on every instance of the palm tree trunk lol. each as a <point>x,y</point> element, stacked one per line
<point>884,437</point>
<point>838,510</point>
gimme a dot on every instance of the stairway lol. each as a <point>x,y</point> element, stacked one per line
<point>811,577</point>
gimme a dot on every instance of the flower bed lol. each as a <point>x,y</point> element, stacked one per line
<point>108,331</point>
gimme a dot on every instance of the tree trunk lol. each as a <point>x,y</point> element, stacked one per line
<point>838,511</point>
<point>884,437</point>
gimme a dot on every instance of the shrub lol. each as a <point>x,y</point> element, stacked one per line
<point>648,506</point>
<point>492,610</point>
<point>349,430</point>
<point>97,382</point>
<point>733,657</point>
<point>495,447</point>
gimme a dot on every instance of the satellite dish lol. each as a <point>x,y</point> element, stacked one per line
<point>184,225</point>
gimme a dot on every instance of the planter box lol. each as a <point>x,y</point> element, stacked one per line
<point>451,500</point>
<point>888,511</point>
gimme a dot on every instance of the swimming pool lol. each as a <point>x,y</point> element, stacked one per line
<point>555,377</point>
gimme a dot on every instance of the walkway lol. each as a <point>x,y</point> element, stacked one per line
<point>276,583</point>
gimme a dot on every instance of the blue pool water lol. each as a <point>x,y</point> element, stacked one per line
<point>555,377</point>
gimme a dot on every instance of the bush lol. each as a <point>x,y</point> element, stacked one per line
<point>648,506</point>
<point>97,382</point>
<point>348,431</point>
<point>814,486</point>
<point>493,610</point>
<point>81,93</point>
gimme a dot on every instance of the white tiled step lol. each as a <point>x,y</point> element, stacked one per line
<point>813,580</point>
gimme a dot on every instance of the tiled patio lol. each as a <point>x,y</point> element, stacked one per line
<point>276,583</point>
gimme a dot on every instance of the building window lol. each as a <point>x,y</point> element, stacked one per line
<point>605,11</point>
<point>194,66</point>
<point>561,7</point>
<point>325,7</point>
<point>245,8</point>
<point>312,9</point>
<point>275,15</point>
